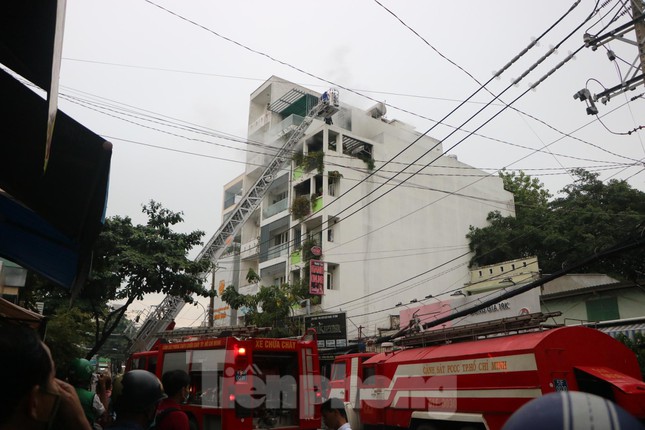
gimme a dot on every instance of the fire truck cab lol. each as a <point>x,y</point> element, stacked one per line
<point>244,383</point>
<point>479,384</point>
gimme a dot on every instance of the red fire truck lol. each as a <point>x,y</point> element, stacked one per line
<point>479,384</point>
<point>244,383</point>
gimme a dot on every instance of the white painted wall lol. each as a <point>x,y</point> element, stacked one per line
<point>405,234</point>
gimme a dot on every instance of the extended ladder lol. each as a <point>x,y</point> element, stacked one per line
<point>167,311</point>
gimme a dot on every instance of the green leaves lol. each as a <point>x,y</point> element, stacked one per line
<point>589,216</point>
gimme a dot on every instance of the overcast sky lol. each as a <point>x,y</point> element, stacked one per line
<point>168,83</point>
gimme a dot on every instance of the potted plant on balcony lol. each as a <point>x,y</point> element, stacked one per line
<point>334,175</point>
<point>301,207</point>
<point>315,160</point>
<point>368,159</point>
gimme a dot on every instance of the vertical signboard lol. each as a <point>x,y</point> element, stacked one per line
<point>316,277</point>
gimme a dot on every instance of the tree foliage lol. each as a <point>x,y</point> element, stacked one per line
<point>130,261</point>
<point>589,216</point>
<point>272,306</point>
<point>637,345</point>
<point>269,307</point>
<point>68,335</point>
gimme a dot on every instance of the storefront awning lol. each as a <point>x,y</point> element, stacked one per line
<point>16,314</point>
<point>628,330</point>
<point>53,171</point>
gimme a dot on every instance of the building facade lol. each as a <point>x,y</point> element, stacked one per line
<point>386,233</point>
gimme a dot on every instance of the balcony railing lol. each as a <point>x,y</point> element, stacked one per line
<point>317,204</point>
<point>285,126</point>
<point>275,208</point>
<point>260,122</point>
<point>249,249</point>
<point>248,289</point>
<point>277,251</point>
<point>232,200</point>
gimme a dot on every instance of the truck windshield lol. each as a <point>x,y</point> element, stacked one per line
<point>338,371</point>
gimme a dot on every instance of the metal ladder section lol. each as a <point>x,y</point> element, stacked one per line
<point>202,332</point>
<point>170,307</point>
<point>517,324</point>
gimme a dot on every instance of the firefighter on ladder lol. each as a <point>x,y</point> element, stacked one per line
<point>325,100</point>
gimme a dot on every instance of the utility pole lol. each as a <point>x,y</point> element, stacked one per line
<point>639,27</point>
<point>634,75</point>
<point>211,304</point>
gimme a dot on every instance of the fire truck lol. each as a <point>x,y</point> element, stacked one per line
<point>478,384</point>
<point>241,382</point>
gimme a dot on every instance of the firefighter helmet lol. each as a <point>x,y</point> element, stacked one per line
<point>572,410</point>
<point>80,371</point>
<point>140,390</point>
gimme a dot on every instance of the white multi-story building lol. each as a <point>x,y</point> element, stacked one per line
<point>381,244</point>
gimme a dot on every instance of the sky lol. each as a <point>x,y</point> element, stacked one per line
<point>169,82</point>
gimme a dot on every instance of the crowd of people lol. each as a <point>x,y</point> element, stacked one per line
<point>34,398</point>
<point>90,401</point>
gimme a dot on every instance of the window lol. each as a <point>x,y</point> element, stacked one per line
<point>279,197</point>
<point>332,188</point>
<point>501,268</point>
<point>175,360</point>
<point>338,371</point>
<point>490,271</point>
<point>281,238</point>
<point>332,145</point>
<point>330,234</point>
<point>279,280</point>
<point>602,309</point>
<point>369,375</point>
<point>333,282</point>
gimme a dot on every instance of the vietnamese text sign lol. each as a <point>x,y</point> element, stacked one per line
<point>316,277</point>
<point>331,329</point>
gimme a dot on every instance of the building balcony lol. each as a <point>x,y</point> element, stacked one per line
<point>259,123</point>
<point>317,204</point>
<point>275,208</point>
<point>297,173</point>
<point>248,289</point>
<point>232,201</point>
<point>284,127</point>
<point>277,251</point>
<point>250,249</point>
<point>296,257</point>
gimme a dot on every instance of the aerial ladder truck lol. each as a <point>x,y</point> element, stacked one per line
<point>165,313</point>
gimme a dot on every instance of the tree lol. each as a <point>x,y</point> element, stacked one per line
<point>637,345</point>
<point>508,238</point>
<point>269,307</point>
<point>68,335</point>
<point>131,261</point>
<point>272,306</point>
<point>590,216</point>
